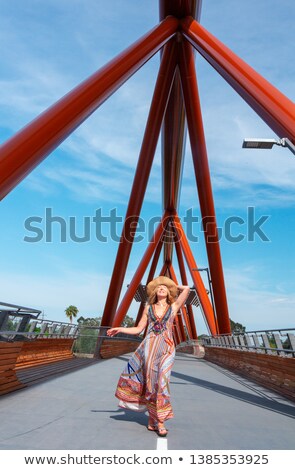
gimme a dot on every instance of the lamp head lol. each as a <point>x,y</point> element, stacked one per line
<point>259,143</point>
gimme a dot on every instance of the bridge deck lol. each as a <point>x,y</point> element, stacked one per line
<point>214,409</point>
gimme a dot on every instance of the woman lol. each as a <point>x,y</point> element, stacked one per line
<point>144,383</point>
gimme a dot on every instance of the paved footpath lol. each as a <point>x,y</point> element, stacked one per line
<point>214,409</point>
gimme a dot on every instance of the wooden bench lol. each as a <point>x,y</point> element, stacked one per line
<point>29,362</point>
<point>9,353</point>
<point>44,351</point>
<point>23,355</point>
<point>113,348</point>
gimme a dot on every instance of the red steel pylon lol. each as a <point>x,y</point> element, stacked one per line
<point>174,106</point>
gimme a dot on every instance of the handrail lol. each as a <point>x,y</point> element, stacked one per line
<point>23,326</point>
<point>117,337</point>
<point>276,341</point>
<point>257,331</point>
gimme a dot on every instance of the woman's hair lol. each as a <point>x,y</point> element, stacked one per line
<point>153,297</point>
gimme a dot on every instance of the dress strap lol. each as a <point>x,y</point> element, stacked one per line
<point>164,317</point>
<point>150,310</point>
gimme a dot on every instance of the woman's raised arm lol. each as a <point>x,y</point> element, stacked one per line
<point>134,330</point>
<point>182,297</point>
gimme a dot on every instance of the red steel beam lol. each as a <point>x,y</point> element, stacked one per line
<point>266,100</point>
<point>174,337</point>
<point>184,308</point>
<point>24,151</point>
<point>128,297</point>
<point>190,312</point>
<point>174,126</point>
<point>198,282</point>
<point>180,8</point>
<point>176,333</point>
<point>166,272</point>
<point>173,142</point>
<point>177,318</point>
<point>150,276</point>
<point>146,156</point>
<point>181,331</point>
<point>156,259</point>
<point>173,135</point>
<point>173,145</point>
<point>183,315</point>
<point>203,180</point>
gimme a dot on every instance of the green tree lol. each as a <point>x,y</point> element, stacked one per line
<point>89,321</point>
<point>88,331</point>
<point>128,322</point>
<point>71,312</point>
<point>237,327</point>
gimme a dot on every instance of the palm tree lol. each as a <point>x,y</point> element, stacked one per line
<point>71,312</point>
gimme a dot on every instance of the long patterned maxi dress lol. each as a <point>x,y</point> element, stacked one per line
<point>144,383</point>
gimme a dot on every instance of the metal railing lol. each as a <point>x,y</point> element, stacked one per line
<point>88,336</point>
<point>189,342</point>
<point>23,324</point>
<point>274,342</point>
<point>19,323</point>
<point>39,329</point>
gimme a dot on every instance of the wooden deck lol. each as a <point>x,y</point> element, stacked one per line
<point>213,409</point>
<point>40,373</point>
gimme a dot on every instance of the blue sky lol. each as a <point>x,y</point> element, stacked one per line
<point>47,48</point>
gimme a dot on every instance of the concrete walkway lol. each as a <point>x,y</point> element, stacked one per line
<point>214,409</point>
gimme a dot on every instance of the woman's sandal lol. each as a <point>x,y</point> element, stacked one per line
<point>152,427</point>
<point>162,431</point>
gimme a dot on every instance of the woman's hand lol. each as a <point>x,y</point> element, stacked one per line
<point>181,288</point>
<point>114,331</point>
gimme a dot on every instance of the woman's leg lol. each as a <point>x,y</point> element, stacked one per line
<point>152,424</point>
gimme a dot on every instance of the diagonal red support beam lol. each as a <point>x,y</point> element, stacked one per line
<point>192,325</point>
<point>166,272</point>
<point>266,100</point>
<point>150,276</point>
<point>202,174</point>
<point>174,125</point>
<point>198,282</point>
<point>177,339</point>
<point>24,151</point>
<point>182,315</point>
<point>150,139</point>
<point>173,144</point>
<point>185,308</point>
<point>128,297</point>
<point>180,8</point>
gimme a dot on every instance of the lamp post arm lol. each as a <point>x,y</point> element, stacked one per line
<point>285,142</point>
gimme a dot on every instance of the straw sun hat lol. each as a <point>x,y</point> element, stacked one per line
<point>166,281</point>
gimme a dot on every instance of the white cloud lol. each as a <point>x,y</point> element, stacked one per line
<point>237,173</point>
<point>115,131</point>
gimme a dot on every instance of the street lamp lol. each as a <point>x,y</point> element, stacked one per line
<point>211,295</point>
<point>209,284</point>
<point>268,144</point>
